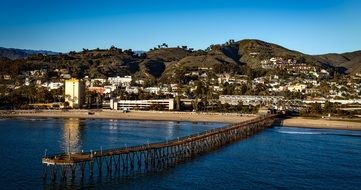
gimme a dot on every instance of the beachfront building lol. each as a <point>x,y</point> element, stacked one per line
<point>250,100</point>
<point>324,100</point>
<point>74,92</point>
<point>167,104</point>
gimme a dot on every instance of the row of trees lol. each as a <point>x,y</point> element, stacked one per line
<point>316,110</point>
<point>21,98</point>
<point>217,106</point>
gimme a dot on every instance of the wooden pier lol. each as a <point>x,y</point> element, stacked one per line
<point>148,157</point>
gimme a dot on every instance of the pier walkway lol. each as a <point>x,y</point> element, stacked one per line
<point>148,157</point>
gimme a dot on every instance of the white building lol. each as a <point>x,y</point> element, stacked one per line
<point>65,76</point>
<point>109,88</point>
<point>323,100</point>
<point>140,81</point>
<point>217,88</point>
<point>120,81</point>
<point>323,71</point>
<point>132,89</point>
<point>155,90</point>
<point>27,81</point>
<point>297,87</point>
<point>249,100</point>
<point>168,104</point>
<point>55,85</point>
<point>259,80</point>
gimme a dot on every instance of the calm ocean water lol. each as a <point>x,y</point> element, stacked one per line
<point>277,158</point>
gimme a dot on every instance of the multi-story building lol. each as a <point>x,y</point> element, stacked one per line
<point>75,92</point>
<point>168,104</point>
<point>250,100</point>
<point>120,81</point>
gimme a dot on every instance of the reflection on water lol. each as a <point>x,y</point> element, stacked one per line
<point>24,140</point>
<point>71,140</point>
<point>170,130</point>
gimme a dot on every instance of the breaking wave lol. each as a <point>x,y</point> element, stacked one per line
<point>302,133</point>
<point>306,131</point>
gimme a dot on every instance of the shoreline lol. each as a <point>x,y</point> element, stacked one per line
<point>133,115</point>
<point>321,123</point>
<point>227,118</point>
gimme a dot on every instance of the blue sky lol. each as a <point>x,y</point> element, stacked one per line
<point>310,26</point>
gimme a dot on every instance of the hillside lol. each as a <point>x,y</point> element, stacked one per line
<point>241,57</point>
<point>254,51</point>
<point>350,61</point>
<point>168,54</point>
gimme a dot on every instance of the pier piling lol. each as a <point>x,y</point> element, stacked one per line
<point>150,156</point>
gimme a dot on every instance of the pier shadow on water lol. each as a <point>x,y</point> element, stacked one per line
<point>108,179</point>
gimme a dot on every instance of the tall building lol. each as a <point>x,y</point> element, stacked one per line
<point>75,92</point>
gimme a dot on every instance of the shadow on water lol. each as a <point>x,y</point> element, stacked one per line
<point>116,178</point>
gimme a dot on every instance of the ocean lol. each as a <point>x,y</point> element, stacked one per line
<point>276,158</point>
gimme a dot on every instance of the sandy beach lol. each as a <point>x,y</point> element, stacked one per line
<point>181,116</point>
<point>321,123</point>
<point>135,115</point>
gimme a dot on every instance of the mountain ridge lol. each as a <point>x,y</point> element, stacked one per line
<point>14,53</point>
<point>162,62</point>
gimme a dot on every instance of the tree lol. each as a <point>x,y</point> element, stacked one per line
<point>129,52</point>
<point>239,106</point>
<point>228,89</point>
<point>113,47</point>
<point>66,104</point>
<point>164,45</point>
<point>316,109</point>
<point>329,108</point>
<point>195,104</point>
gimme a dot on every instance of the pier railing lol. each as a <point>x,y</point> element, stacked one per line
<point>148,157</point>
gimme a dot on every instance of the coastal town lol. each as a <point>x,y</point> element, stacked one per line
<point>287,85</point>
<point>157,94</point>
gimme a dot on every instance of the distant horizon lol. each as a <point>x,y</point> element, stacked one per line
<point>311,27</point>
